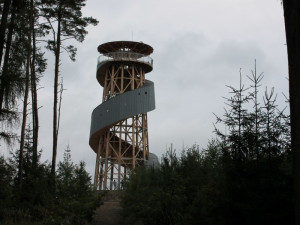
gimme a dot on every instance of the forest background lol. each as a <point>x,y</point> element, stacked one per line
<point>10,84</point>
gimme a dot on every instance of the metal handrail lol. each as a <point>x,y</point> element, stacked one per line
<point>125,56</point>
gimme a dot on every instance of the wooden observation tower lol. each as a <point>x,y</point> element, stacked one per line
<point>119,126</point>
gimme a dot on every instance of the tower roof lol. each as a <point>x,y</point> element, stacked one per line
<point>131,46</point>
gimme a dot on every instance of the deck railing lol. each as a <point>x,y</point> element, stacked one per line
<point>125,56</point>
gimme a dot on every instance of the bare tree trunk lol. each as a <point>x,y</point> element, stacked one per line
<point>292,29</point>
<point>35,117</point>
<point>60,99</point>
<point>4,77</point>
<point>55,130</point>
<point>24,115</point>
<point>5,12</point>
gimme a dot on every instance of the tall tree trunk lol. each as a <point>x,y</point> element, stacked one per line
<point>35,118</point>
<point>24,114</point>
<point>4,79</point>
<point>292,29</point>
<point>256,83</point>
<point>55,130</point>
<point>3,25</point>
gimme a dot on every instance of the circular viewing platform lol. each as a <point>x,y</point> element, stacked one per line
<point>128,52</point>
<point>125,46</point>
<point>125,56</point>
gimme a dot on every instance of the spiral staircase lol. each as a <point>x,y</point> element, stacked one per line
<point>119,126</point>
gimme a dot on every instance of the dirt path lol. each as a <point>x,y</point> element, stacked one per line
<point>110,212</point>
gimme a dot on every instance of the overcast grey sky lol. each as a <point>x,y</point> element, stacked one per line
<point>199,47</point>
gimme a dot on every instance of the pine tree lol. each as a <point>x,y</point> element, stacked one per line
<point>12,71</point>
<point>34,66</point>
<point>3,27</point>
<point>65,22</point>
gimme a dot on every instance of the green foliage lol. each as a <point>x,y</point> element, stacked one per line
<point>177,192</point>
<point>6,190</point>
<point>67,16</point>
<point>75,194</point>
<point>244,176</point>
<point>30,192</point>
<point>256,158</point>
<point>73,201</point>
<point>18,51</point>
<point>64,21</point>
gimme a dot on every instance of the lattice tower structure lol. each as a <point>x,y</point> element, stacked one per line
<point>119,126</point>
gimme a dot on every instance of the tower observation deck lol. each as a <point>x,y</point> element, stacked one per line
<point>119,127</point>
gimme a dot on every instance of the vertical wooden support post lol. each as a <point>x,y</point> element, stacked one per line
<point>101,174</point>
<point>122,79</point>
<point>132,78</point>
<point>133,142</point>
<point>141,77</point>
<point>125,174</point>
<point>106,160</point>
<point>144,136</point>
<point>105,86</point>
<point>120,154</point>
<point>96,177</point>
<point>112,81</point>
<point>137,131</point>
<point>112,181</point>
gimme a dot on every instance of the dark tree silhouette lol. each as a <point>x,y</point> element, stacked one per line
<point>5,12</point>
<point>292,30</point>
<point>12,71</point>
<point>65,22</point>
